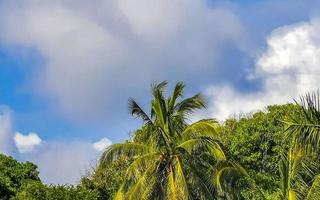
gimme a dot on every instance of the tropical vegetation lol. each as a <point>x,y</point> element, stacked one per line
<point>269,154</point>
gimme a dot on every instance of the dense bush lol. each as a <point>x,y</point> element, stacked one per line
<point>33,190</point>
<point>14,174</point>
<point>257,142</point>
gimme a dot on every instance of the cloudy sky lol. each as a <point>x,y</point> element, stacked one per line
<point>68,67</point>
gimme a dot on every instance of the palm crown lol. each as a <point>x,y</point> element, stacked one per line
<point>173,157</point>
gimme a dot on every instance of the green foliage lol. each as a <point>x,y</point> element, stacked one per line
<point>107,179</point>
<point>13,174</point>
<point>257,142</point>
<point>37,191</point>
<point>272,154</point>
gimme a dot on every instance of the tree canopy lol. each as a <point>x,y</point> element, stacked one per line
<point>268,154</point>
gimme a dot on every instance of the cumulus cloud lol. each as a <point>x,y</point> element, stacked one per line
<point>289,67</point>
<point>64,162</point>
<point>102,144</point>
<point>116,42</point>
<point>59,162</point>
<point>26,143</point>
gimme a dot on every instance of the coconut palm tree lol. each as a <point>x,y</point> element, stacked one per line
<point>299,179</point>
<point>173,159</point>
<point>304,127</point>
<point>299,168</point>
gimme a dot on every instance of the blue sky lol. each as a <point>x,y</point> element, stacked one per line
<point>67,68</point>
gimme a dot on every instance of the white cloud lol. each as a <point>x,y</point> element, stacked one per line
<point>6,142</point>
<point>59,162</point>
<point>102,144</point>
<point>96,49</point>
<point>289,67</point>
<point>63,162</point>
<point>26,143</point>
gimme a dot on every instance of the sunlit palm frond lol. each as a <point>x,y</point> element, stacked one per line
<point>224,172</point>
<point>205,127</point>
<point>142,183</point>
<point>129,149</point>
<point>150,191</point>
<point>304,126</point>
<point>191,104</point>
<point>177,188</point>
<point>295,167</point>
<point>120,193</point>
<point>291,165</point>
<point>172,189</point>
<point>314,191</point>
<point>139,165</point>
<point>203,144</point>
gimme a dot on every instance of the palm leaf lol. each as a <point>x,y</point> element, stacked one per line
<point>224,171</point>
<point>136,191</point>
<point>180,179</point>
<point>314,191</point>
<point>207,144</point>
<point>295,167</point>
<point>140,163</point>
<point>129,149</point>
<point>177,93</point>
<point>137,111</point>
<point>205,127</point>
<point>189,105</point>
<point>304,126</point>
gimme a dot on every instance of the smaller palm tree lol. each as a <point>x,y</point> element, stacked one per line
<point>299,179</point>
<point>172,160</point>
<point>304,126</point>
<point>299,169</point>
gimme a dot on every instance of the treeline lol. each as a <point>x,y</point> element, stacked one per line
<point>270,154</point>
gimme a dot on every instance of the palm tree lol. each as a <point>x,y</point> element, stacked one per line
<point>173,160</point>
<point>299,168</point>
<point>304,126</point>
<point>299,179</point>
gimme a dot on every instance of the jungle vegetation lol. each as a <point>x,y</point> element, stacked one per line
<point>269,154</point>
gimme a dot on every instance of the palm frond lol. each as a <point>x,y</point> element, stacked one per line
<point>200,181</point>
<point>141,163</point>
<point>295,167</point>
<point>129,149</point>
<point>119,194</point>
<point>189,105</point>
<point>202,128</point>
<point>304,126</point>
<point>203,144</point>
<point>224,172</point>
<point>172,186</point>
<point>180,179</point>
<point>314,191</point>
<point>158,87</point>
<point>177,93</point>
<point>137,189</point>
<point>137,111</point>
